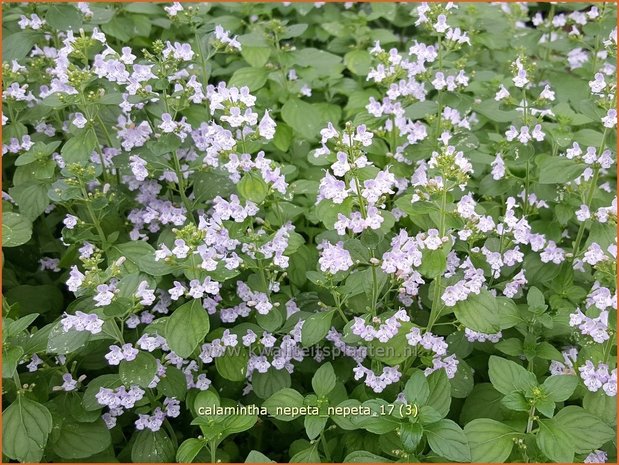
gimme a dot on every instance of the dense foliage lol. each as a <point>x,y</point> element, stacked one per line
<point>309,232</point>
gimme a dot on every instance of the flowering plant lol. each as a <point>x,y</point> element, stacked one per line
<point>309,232</point>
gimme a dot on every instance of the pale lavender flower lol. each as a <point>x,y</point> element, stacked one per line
<point>104,296</point>
<point>70,221</point>
<point>334,258</point>
<point>597,456</point>
<point>82,322</point>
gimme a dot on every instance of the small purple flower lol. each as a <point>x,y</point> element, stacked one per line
<point>70,221</point>
<point>334,258</point>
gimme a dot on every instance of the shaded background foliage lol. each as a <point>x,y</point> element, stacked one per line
<point>327,46</point>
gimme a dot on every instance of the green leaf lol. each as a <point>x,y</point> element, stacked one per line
<point>153,446</point>
<point>309,455</point>
<point>394,351</point>
<point>479,312</point>
<point>490,440</point>
<point>26,425</point>
<point>140,371</point>
<point>588,137</point>
<point>16,229</point>
<point>557,170</point>
<point>601,405</point>
<point>10,358</point>
<point>560,387</point>
<point>294,30</point>
<point>462,383</point>
<point>428,415</point>
<point>546,407</point>
<point>283,137</point>
<point>31,197</point>
<point>508,313</point>
<point>447,439</point>
<point>417,389</point>
<point>233,364</point>
<point>385,10</point>
<point>483,402</point>
<point>266,384</point>
<point>143,8</point>
<point>142,254</point>
<point>586,431</point>
<point>547,351</point>
<point>362,456</point>
<point>208,185</point>
<point>286,397</point>
<point>324,380</point>
<point>303,117</point>
<point>507,376</point>
<point>358,62</point>
<point>79,148</point>
<point>376,423</point>
<point>316,328</point>
<point>440,392</point>
<point>411,435</point>
<point>205,399</point>
<point>44,298</point>
<point>535,297</point>
<point>17,45</point>
<point>63,17</point>
<point>511,346</point>
<point>173,384</point>
<point>317,59</point>
<point>188,450</point>
<point>81,440</point>
<point>554,442</point>
<point>256,56</point>
<point>187,327</point>
<point>433,262</point>
<point>233,424</point>
<point>13,328</point>
<point>252,187</point>
<point>254,78</point>
<point>490,109</point>
<point>257,457</point>
<point>164,145</point>
<point>421,110</point>
<point>314,425</point>
<point>516,401</point>
<point>62,343</point>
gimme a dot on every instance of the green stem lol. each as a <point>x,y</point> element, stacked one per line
<point>436,307</point>
<point>202,57</point>
<point>608,349</point>
<point>93,217</point>
<point>181,186</point>
<point>525,207</point>
<point>360,198</point>
<point>325,447</point>
<point>16,380</point>
<point>110,144</point>
<point>531,419</point>
<point>338,305</point>
<point>283,69</point>
<point>213,449</point>
<point>393,141</point>
<point>374,288</point>
<point>581,229</point>
<point>105,131</point>
<point>89,116</point>
<point>364,215</point>
<point>263,277</point>
<point>588,199</point>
